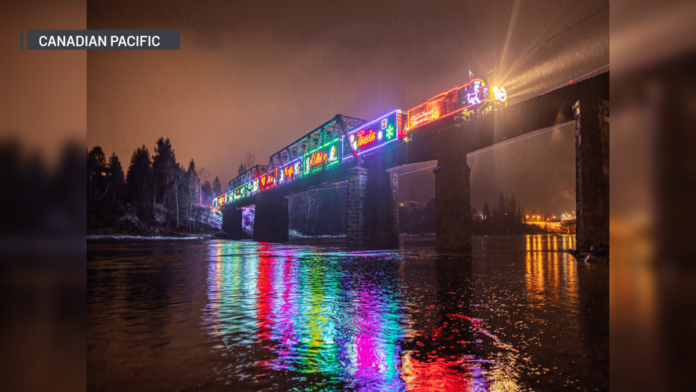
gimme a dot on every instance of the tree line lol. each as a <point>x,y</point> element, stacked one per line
<point>505,218</point>
<point>322,211</point>
<point>156,189</point>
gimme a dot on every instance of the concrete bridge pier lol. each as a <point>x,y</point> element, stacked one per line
<point>452,205</point>
<point>271,221</point>
<point>372,220</point>
<point>232,223</point>
<point>592,171</point>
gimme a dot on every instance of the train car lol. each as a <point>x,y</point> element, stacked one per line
<point>378,133</point>
<point>247,183</point>
<point>469,97</point>
<point>321,149</point>
<point>242,186</point>
<point>327,146</point>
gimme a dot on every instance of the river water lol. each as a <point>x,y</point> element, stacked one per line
<point>518,313</point>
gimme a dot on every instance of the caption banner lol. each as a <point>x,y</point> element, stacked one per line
<point>103,39</point>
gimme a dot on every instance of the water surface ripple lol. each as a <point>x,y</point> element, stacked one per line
<point>517,314</point>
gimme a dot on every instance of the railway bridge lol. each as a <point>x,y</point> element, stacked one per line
<point>446,129</point>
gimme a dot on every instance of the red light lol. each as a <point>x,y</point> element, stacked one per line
<point>363,139</point>
<point>436,109</point>
<point>571,81</point>
<point>270,179</point>
<point>289,173</point>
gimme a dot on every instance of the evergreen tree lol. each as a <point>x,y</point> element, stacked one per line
<point>117,178</point>
<point>97,184</point>
<point>96,157</point>
<point>513,214</point>
<point>241,169</point>
<point>96,170</point>
<point>139,178</point>
<point>163,165</point>
<point>192,169</point>
<point>499,211</point>
<point>217,187</point>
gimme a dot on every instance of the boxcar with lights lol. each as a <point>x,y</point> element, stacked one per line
<point>472,96</point>
<point>242,186</point>
<point>322,149</point>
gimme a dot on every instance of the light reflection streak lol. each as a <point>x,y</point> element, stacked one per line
<point>550,269</point>
<point>302,312</point>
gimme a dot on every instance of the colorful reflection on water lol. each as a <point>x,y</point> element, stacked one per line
<point>307,314</point>
<point>354,321</point>
<point>514,315</point>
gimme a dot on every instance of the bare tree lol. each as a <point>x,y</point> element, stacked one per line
<point>193,189</point>
<point>310,199</point>
<point>203,174</point>
<point>178,180</point>
<point>194,197</point>
<point>247,162</point>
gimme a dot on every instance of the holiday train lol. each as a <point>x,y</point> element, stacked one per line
<point>327,146</point>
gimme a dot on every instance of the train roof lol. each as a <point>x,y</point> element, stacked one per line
<point>358,122</point>
<point>447,92</point>
<point>248,170</point>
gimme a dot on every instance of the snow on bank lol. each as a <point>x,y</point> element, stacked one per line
<point>296,235</point>
<point>142,237</point>
<point>248,214</point>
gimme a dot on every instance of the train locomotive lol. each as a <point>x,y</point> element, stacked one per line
<point>466,99</point>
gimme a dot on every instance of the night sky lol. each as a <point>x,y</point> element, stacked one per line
<point>257,75</point>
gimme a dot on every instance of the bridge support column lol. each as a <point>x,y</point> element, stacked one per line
<point>452,205</point>
<point>592,172</point>
<point>372,220</point>
<point>271,222</point>
<point>232,223</point>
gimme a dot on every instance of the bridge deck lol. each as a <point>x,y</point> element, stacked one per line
<point>450,135</point>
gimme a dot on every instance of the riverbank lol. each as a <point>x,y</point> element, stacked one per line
<point>504,242</point>
<point>406,240</point>
<point>118,237</point>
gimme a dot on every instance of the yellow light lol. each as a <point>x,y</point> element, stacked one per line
<point>499,93</point>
